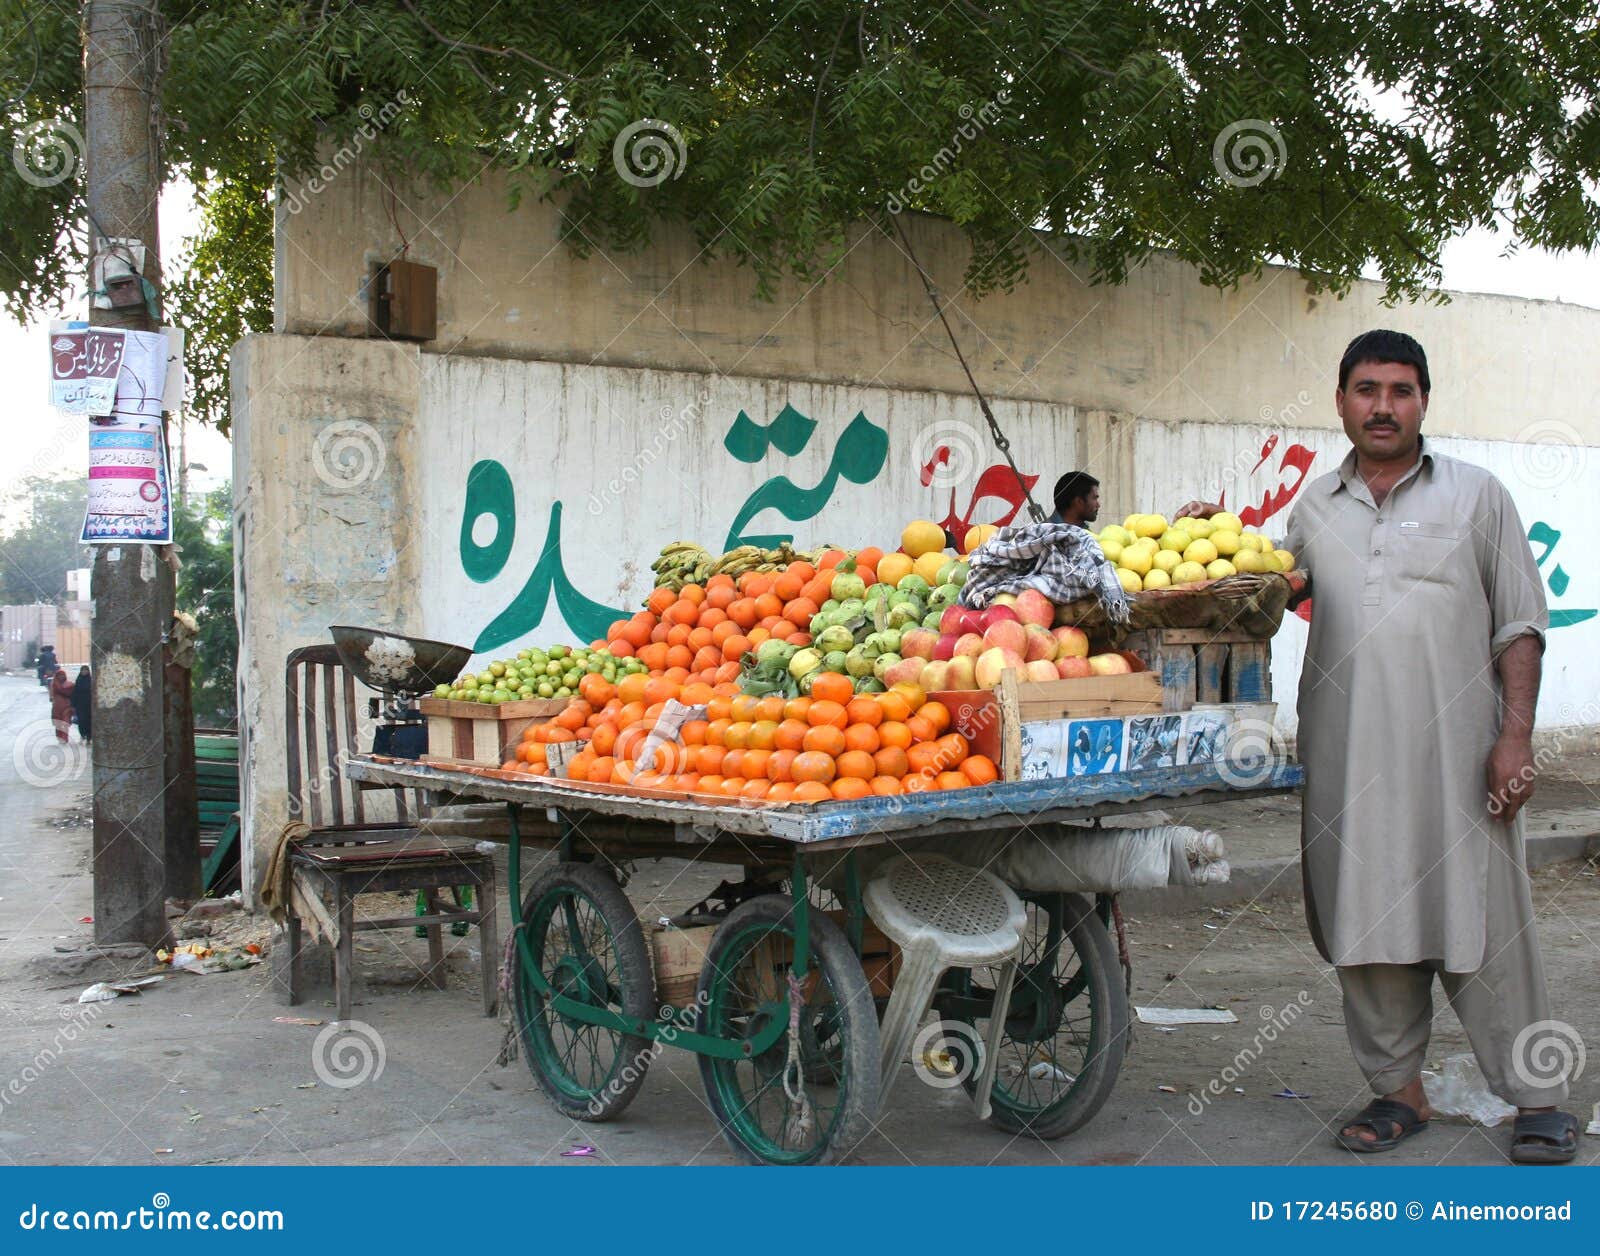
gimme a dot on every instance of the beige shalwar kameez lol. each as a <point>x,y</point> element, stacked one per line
<point>1399,707</point>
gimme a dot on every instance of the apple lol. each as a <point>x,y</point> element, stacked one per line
<point>906,671</point>
<point>1071,642</point>
<point>1005,599</point>
<point>959,619</point>
<point>1035,608</point>
<point>1040,669</point>
<point>962,674</point>
<point>945,646</point>
<point>994,661</point>
<point>969,644</point>
<point>995,615</point>
<point>1040,644</point>
<point>1073,667</point>
<point>1108,665</point>
<point>918,643</point>
<point>935,675</point>
<point>1008,635</point>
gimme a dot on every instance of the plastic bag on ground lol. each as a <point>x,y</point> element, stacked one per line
<point>1459,1090</point>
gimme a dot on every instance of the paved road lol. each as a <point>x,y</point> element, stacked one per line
<point>199,1070</point>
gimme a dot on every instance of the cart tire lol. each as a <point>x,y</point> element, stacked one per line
<point>589,1072</point>
<point>1087,976</point>
<point>747,1096</point>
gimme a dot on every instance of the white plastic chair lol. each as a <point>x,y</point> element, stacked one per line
<point>942,915</point>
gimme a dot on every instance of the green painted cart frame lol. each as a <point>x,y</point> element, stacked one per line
<point>784,1022</point>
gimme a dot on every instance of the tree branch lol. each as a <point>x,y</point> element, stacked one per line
<point>493,52</point>
<point>822,79</point>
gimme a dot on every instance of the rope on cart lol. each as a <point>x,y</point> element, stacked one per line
<point>508,1027</point>
<point>800,1119</point>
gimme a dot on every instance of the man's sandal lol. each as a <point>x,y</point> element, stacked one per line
<point>1559,1128</point>
<point>1401,1118</point>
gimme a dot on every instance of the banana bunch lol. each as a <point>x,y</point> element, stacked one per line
<point>684,562</point>
<point>679,564</point>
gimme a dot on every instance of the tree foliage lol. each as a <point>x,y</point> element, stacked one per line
<point>1386,128</point>
<point>204,534</point>
<point>41,545</point>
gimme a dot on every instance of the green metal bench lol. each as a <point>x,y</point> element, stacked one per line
<point>216,769</point>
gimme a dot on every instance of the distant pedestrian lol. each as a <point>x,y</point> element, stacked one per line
<point>61,703</point>
<point>83,701</point>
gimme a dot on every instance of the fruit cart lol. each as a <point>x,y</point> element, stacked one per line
<point>782,1016</point>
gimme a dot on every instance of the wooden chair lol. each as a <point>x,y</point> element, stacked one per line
<point>347,854</point>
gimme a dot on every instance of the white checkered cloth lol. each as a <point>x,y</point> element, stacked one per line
<point>1060,560</point>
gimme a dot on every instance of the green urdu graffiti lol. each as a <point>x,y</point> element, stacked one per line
<point>859,457</point>
<point>1541,534</point>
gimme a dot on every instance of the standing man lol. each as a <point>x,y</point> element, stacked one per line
<point>1077,498</point>
<point>1416,723</point>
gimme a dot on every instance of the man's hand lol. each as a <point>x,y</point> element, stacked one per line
<point>1511,776</point>
<point>1197,510</point>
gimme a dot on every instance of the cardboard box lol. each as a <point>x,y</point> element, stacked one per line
<point>475,732</point>
<point>680,954</point>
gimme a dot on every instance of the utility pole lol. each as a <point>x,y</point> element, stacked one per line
<point>133,584</point>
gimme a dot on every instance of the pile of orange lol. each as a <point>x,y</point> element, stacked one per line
<point>830,744</point>
<point>700,633</point>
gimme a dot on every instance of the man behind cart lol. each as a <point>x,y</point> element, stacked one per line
<point>1420,679</point>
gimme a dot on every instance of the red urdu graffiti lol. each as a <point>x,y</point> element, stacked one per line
<point>998,482</point>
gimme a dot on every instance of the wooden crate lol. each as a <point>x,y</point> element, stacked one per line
<point>680,954</point>
<point>474,732</point>
<point>1196,665</point>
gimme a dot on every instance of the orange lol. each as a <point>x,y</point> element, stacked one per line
<point>756,790</point>
<point>868,557</point>
<point>856,763</point>
<point>710,617</point>
<point>811,791</point>
<point>708,760</point>
<point>696,693</point>
<point>717,732</point>
<point>719,708</point>
<point>744,707</point>
<point>706,658</point>
<point>914,694</point>
<point>578,766</point>
<point>832,687</point>
<point>709,784</point>
<point>763,735</point>
<point>757,635</point>
<point>755,583</point>
<point>754,764</point>
<point>802,569</point>
<point>769,604</point>
<point>894,733</point>
<point>600,768</point>
<point>733,649</point>
<point>952,780</point>
<point>979,769</point>
<point>720,596</point>
<point>622,649</point>
<point>923,757</point>
<point>722,631</point>
<point>737,736</point>
<point>862,737</point>
<point>732,786</point>
<point>796,708</point>
<point>825,739</point>
<point>744,612</point>
<point>824,711</point>
<point>769,708</point>
<point>654,655</point>
<point>733,763</point>
<point>660,599</point>
<point>800,611</point>
<point>891,761</point>
<point>832,559</point>
<point>851,787</point>
<point>953,748</point>
<point>895,706</point>
<point>787,585</point>
<point>914,784</point>
<point>780,765</point>
<point>659,689</point>
<point>813,765</point>
<point>694,593</point>
<point>922,729</point>
<point>682,614</point>
<point>864,710</point>
<point>679,656</point>
<point>604,738</point>
<point>791,735</point>
<point>885,785</point>
<point>659,632</point>
<point>781,791</point>
<point>631,688</point>
<point>938,713</point>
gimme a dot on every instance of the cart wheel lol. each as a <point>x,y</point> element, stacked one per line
<point>747,965</point>
<point>586,940</point>
<point>1067,1024</point>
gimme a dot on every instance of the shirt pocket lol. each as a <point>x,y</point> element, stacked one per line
<point>1430,553</point>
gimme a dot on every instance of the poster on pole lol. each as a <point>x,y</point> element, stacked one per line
<point>130,485</point>
<point>69,365</point>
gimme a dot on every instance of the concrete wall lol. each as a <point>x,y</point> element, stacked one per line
<point>511,481</point>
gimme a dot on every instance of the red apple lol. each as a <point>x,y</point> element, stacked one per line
<point>957,620</point>
<point>1008,635</point>
<point>1034,607</point>
<point>995,615</point>
<point>992,662</point>
<point>1040,644</point>
<point>970,644</point>
<point>935,675</point>
<point>906,671</point>
<point>945,646</point>
<point>961,674</point>
<point>1040,669</point>
<point>1108,665</point>
<point>1072,642</point>
<point>918,643</point>
<point>1073,666</point>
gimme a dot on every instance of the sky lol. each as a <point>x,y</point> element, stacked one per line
<point>43,442</point>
